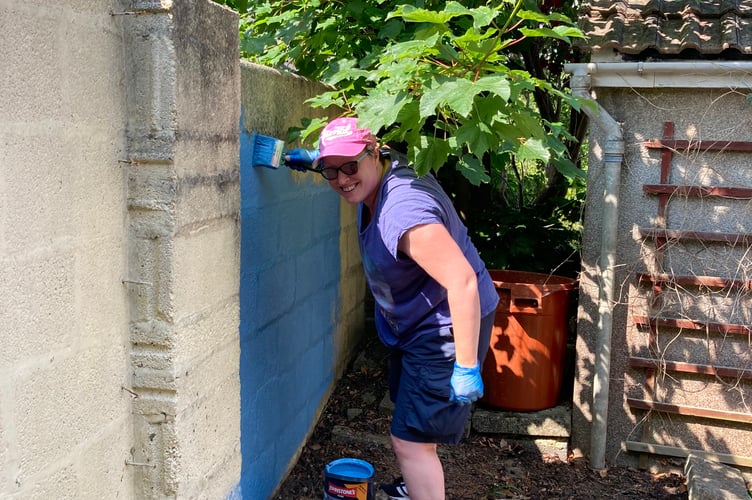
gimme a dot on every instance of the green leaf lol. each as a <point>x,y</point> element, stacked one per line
<point>381,109</point>
<point>559,130</point>
<point>310,132</point>
<point>391,29</point>
<point>569,31</point>
<point>457,94</point>
<point>527,124</point>
<point>477,135</point>
<point>256,45</point>
<point>560,34</point>
<point>486,48</point>
<point>568,169</point>
<point>496,84</point>
<point>564,23</point>
<point>559,18</point>
<point>482,16</point>
<point>432,155</point>
<point>413,14</point>
<point>533,150</point>
<point>409,124</point>
<point>507,134</point>
<point>344,69</point>
<point>489,109</point>
<point>411,48</point>
<point>456,9</point>
<point>529,15</point>
<point>473,170</point>
<point>326,99</point>
<point>448,52</point>
<point>586,102</point>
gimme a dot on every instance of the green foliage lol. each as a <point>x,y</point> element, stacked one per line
<point>475,86</point>
<point>437,78</point>
<point>529,239</point>
<point>238,5</point>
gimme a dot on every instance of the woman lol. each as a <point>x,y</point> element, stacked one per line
<point>435,301</point>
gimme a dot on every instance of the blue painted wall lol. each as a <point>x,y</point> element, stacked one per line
<point>289,279</point>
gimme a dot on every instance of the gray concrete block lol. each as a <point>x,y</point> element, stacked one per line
<point>386,406</point>
<point>551,422</point>
<point>345,434</point>
<point>708,480</point>
<point>546,448</point>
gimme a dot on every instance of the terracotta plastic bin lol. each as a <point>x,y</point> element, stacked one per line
<point>525,363</point>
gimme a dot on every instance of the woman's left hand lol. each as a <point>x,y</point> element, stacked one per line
<point>466,384</point>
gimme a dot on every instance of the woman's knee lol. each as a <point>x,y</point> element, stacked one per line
<point>407,449</point>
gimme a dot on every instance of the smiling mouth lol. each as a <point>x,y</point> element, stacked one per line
<point>349,188</point>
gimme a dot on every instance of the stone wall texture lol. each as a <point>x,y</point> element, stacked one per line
<point>66,426</point>
<point>125,371</point>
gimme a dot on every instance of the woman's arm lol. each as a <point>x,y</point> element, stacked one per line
<point>433,249</point>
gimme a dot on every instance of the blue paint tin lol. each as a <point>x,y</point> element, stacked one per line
<point>348,479</point>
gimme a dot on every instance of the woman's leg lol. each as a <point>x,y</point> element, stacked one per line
<point>419,387</point>
<point>421,469</point>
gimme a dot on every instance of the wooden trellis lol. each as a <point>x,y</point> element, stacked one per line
<point>662,236</point>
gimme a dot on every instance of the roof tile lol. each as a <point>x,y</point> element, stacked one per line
<point>668,28</point>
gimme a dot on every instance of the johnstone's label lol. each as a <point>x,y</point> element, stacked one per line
<point>342,491</point>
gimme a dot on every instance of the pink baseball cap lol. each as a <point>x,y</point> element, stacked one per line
<point>342,137</point>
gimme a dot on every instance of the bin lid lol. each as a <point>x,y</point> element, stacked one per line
<point>529,284</point>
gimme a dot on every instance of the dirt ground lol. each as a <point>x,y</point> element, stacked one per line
<point>482,467</point>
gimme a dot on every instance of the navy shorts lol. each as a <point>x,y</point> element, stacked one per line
<point>419,379</point>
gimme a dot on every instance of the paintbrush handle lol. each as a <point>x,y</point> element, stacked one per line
<point>301,159</point>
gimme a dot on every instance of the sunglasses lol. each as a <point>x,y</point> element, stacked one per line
<point>349,168</point>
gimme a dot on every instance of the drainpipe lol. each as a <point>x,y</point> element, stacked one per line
<point>613,155</point>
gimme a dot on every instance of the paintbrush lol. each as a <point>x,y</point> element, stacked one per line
<point>270,152</point>
<point>266,151</point>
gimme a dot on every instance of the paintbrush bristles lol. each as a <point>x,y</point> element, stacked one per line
<point>267,151</point>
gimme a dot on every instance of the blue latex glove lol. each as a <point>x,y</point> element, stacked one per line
<point>300,158</point>
<point>466,385</point>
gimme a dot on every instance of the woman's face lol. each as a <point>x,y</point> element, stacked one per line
<point>360,186</point>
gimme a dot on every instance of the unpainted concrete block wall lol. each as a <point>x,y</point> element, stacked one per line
<point>183,91</point>
<point>66,427</point>
<point>119,250</point>
<point>120,259</point>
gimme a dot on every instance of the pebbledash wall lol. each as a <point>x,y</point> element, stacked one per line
<point>159,338</point>
<point>702,107</point>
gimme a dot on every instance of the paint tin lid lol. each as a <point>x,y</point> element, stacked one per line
<point>349,469</point>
